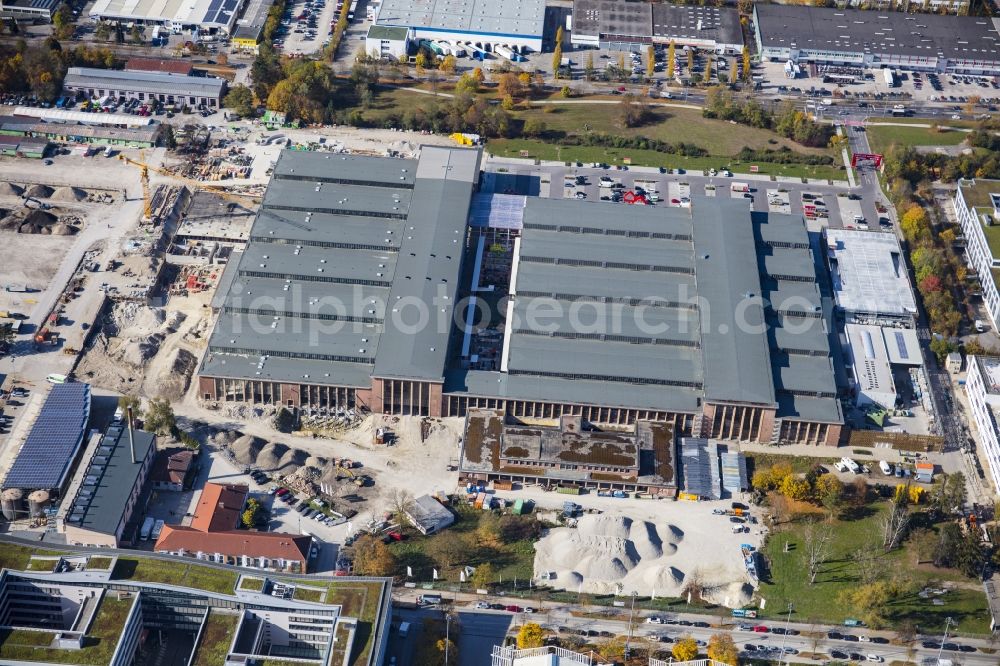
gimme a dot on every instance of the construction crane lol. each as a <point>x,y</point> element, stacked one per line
<point>195,184</point>
<point>147,200</point>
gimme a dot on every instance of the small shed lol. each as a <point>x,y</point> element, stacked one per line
<point>428,515</point>
<point>924,472</point>
<point>953,363</point>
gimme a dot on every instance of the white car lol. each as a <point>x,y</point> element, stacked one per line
<point>864,639</point>
<point>875,659</point>
<point>654,620</point>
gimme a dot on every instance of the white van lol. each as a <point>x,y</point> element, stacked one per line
<point>885,467</point>
<point>850,464</point>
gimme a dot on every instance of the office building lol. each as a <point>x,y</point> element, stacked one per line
<point>977,206</point>
<point>982,386</point>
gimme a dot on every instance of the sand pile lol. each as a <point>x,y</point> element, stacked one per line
<point>68,194</point>
<point>175,378</point>
<point>139,351</point>
<point>39,191</point>
<point>608,550</point>
<point>10,189</point>
<point>246,448</point>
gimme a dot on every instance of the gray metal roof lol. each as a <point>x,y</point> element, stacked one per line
<point>790,264</point>
<point>514,18</point>
<point>110,478</point>
<point>809,408</point>
<point>317,264</point>
<point>793,296</point>
<point>290,370</point>
<point>314,300</point>
<point>804,374</point>
<point>565,281</point>
<point>150,82</point>
<point>593,319</point>
<point>574,391</point>
<point>733,340</point>
<point>614,20</point>
<point>604,218</point>
<point>878,32</point>
<point>601,360</point>
<point>338,198</point>
<point>281,337</point>
<point>429,265</point>
<point>593,249</point>
<point>781,230</point>
<point>324,229</point>
<point>800,334</point>
<point>327,167</point>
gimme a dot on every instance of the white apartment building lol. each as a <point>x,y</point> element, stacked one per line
<point>982,385</point>
<point>977,206</point>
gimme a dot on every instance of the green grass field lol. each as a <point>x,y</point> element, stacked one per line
<point>789,581</point>
<point>176,573</point>
<point>720,138</point>
<point>884,136</point>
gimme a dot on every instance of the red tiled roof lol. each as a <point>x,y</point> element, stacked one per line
<point>159,65</point>
<point>219,507</point>
<point>234,543</point>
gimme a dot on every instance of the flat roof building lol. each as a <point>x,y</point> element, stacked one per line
<point>191,91</point>
<point>67,132</point>
<point>486,24</point>
<point>107,507</point>
<point>428,515</point>
<point>356,263</point>
<point>630,25</point>
<point>211,16</point>
<point>869,275</point>
<point>977,206</point>
<point>982,386</point>
<point>878,39</point>
<point>873,382</point>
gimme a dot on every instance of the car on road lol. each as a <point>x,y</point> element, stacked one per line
<point>654,620</point>
<point>834,635</point>
<point>854,656</point>
<point>701,625</point>
<point>875,659</point>
<point>851,637</point>
<point>864,639</point>
<point>930,645</point>
<point>482,605</point>
<point>513,609</point>
<point>745,627</point>
<point>952,647</point>
<point>760,629</point>
<point>880,640</point>
<point>665,639</point>
<point>838,654</point>
<point>749,647</point>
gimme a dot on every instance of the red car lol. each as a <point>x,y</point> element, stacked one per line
<point>513,609</point>
<point>281,491</point>
<point>760,629</point>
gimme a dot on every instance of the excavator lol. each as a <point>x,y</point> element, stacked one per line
<point>147,212</point>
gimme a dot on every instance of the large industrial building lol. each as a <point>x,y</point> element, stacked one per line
<point>982,386</point>
<point>877,39</point>
<point>47,451</point>
<point>191,91</point>
<point>107,499</point>
<point>629,26</point>
<point>346,298</point>
<point>83,609</point>
<point>484,24</point>
<point>870,282</point>
<point>207,16</point>
<point>977,206</point>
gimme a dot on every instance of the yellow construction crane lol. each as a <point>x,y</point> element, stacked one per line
<point>195,184</point>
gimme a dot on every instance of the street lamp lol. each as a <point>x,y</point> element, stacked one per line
<point>447,636</point>
<point>784,635</point>
<point>631,614</point>
<point>947,623</point>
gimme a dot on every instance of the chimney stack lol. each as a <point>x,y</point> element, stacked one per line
<point>131,439</point>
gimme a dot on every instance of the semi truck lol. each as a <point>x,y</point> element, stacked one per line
<point>889,77</point>
<point>505,52</point>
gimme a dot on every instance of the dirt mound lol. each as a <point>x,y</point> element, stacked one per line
<point>173,382</point>
<point>277,457</point>
<point>246,449</point>
<point>39,191</point>
<point>10,189</point>
<point>68,194</point>
<point>62,229</point>
<point>139,351</point>
<point>42,222</point>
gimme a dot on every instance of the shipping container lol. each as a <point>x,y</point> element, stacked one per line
<point>503,485</point>
<point>518,507</point>
<point>568,490</point>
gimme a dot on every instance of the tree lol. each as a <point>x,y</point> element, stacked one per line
<point>102,32</point>
<point>612,649</point>
<point>633,111</point>
<point>794,487</point>
<point>557,60</point>
<point>447,64</point>
<point>169,140</point>
<point>816,542</point>
<point>372,557</point>
<point>650,61</point>
<point>565,92</point>
<point>746,64</point>
<point>708,69</point>
<point>534,127</point>
<point>588,69</point>
<point>62,21</point>
<point>722,648</point>
<point>892,524</point>
<point>867,560</point>
<point>685,649</point>
<point>466,84</point>
<point>448,552</point>
<point>160,418</point>
<point>530,635</point>
<point>507,103</point>
<point>251,513</point>
<point>400,504</point>
<point>559,36</point>
<point>484,576</point>
<point>509,85</point>
<point>240,99</point>
<point>478,75</point>
<point>671,60</point>
<point>913,223</point>
<point>135,402</point>
<point>690,56</point>
<point>734,72</point>
<point>488,531</point>
<point>829,491</point>
<point>420,61</point>
<point>136,34</point>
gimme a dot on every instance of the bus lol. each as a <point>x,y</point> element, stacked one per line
<point>57,379</point>
<point>147,528</point>
<point>352,10</point>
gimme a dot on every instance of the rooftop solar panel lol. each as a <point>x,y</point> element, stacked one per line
<point>901,344</point>
<point>54,440</point>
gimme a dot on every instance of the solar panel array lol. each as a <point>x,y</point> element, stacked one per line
<point>497,211</point>
<point>54,439</point>
<point>901,344</point>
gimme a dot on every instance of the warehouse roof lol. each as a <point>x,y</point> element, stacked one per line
<point>510,18</point>
<point>94,119</point>
<point>878,32</point>
<point>388,32</point>
<point>110,478</point>
<point>165,65</point>
<point>150,82</point>
<point>324,167</point>
<point>868,272</point>
<point>428,515</point>
<point>209,13</point>
<point>613,19</point>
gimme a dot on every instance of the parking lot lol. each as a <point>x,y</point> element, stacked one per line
<point>305,26</point>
